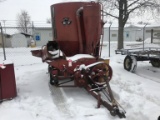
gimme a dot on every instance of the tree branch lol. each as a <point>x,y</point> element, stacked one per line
<point>138,6</point>
<point>110,15</point>
<point>133,3</point>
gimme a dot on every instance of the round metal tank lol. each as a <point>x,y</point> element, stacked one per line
<point>76,26</point>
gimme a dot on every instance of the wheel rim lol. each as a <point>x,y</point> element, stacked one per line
<point>127,63</point>
<point>100,74</point>
<point>155,63</point>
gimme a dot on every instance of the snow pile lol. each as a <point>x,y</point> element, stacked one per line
<point>146,44</point>
<point>148,40</point>
<point>138,93</point>
<point>79,56</point>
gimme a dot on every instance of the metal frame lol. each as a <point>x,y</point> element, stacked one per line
<point>141,54</point>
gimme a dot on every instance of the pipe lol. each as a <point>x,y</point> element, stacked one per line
<point>109,38</point>
<point>101,44</point>
<point>4,53</point>
<point>79,29</point>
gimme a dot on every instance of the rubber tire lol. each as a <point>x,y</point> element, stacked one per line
<point>53,80</point>
<point>155,63</point>
<point>130,63</point>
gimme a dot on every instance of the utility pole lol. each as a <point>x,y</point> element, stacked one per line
<point>109,39</point>
<point>2,35</point>
<point>4,21</point>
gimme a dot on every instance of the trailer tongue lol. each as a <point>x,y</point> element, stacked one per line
<point>73,56</point>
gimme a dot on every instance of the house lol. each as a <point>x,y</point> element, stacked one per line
<point>132,32</point>
<point>5,38</point>
<point>28,38</point>
<point>18,40</point>
<point>42,34</point>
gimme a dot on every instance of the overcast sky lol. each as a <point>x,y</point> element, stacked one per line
<point>39,10</point>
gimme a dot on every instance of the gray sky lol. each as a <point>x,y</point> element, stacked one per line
<point>39,10</point>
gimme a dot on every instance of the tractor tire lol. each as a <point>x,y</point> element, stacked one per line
<point>53,79</point>
<point>130,63</point>
<point>155,63</point>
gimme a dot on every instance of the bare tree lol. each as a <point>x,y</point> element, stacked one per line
<point>24,21</point>
<point>121,10</point>
<point>48,20</point>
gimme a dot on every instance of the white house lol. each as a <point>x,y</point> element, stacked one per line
<point>18,40</point>
<point>132,32</point>
<point>6,37</point>
<point>42,34</point>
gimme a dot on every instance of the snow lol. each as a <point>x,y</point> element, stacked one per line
<point>138,93</point>
<point>5,62</point>
<point>148,40</point>
<point>78,56</point>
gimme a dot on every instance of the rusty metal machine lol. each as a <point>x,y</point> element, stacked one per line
<point>73,56</point>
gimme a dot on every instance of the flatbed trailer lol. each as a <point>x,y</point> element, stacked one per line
<point>151,54</point>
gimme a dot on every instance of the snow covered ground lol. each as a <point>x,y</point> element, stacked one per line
<point>138,93</point>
